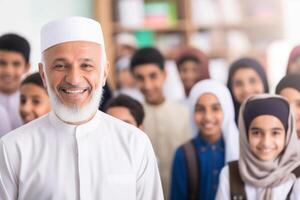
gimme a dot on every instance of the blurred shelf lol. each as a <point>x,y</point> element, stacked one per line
<point>179,26</point>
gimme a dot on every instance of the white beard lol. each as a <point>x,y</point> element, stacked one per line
<point>74,114</point>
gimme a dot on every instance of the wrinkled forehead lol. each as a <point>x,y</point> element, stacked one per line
<point>74,50</point>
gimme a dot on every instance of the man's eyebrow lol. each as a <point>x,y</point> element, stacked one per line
<point>60,59</point>
<point>86,59</point>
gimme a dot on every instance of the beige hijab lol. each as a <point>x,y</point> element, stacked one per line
<point>268,174</point>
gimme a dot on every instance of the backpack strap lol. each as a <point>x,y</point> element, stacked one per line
<point>237,186</point>
<point>296,172</point>
<point>193,172</point>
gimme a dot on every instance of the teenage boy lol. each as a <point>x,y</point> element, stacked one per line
<point>14,63</point>
<point>166,123</point>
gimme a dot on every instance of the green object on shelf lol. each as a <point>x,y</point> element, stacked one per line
<point>145,38</point>
<point>172,13</point>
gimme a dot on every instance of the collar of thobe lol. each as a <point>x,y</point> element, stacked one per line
<point>79,130</point>
<point>154,106</point>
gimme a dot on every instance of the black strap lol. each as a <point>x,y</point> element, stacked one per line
<point>193,172</point>
<point>237,186</point>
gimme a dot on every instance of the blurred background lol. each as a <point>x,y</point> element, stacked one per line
<point>224,29</point>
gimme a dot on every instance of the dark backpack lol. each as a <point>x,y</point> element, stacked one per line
<point>237,186</point>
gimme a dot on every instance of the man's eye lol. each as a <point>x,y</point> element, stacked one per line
<point>58,66</point>
<point>86,66</point>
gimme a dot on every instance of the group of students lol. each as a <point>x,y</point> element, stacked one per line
<point>234,142</point>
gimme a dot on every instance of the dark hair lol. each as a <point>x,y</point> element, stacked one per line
<point>135,108</point>
<point>14,42</point>
<point>148,55</point>
<point>34,78</point>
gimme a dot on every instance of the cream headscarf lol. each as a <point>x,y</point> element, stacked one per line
<point>267,174</point>
<point>229,129</point>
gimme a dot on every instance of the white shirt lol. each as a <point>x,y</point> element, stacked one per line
<point>278,193</point>
<point>12,103</point>
<point>104,158</point>
<point>5,125</point>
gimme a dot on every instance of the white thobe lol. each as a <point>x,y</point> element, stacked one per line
<point>11,103</point>
<point>278,193</point>
<point>167,126</point>
<point>104,158</point>
<point>5,125</point>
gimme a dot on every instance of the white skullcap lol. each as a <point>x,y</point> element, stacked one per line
<point>71,29</point>
<point>126,39</point>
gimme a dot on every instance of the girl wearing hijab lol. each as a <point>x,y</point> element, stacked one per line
<point>293,66</point>
<point>197,164</point>
<point>269,155</point>
<point>289,87</point>
<point>246,77</point>
<point>34,99</point>
<point>192,65</point>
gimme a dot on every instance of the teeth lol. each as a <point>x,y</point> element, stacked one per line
<point>74,91</point>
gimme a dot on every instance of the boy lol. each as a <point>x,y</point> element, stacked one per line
<point>166,123</point>
<point>126,109</point>
<point>14,63</point>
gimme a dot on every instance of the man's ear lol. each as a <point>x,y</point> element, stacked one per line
<point>43,74</point>
<point>105,73</point>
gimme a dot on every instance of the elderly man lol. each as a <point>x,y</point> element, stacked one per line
<point>76,152</point>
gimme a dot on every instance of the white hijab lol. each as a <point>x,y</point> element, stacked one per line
<point>229,128</point>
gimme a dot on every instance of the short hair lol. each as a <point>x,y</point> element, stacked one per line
<point>147,55</point>
<point>14,42</point>
<point>35,79</point>
<point>135,108</point>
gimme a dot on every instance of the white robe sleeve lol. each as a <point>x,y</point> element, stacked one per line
<point>8,184</point>
<point>224,187</point>
<point>148,180</point>
<point>296,190</point>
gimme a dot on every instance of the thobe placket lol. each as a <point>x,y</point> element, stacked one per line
<point>83,163</point>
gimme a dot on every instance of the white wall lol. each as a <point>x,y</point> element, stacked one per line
<point>26,17</point>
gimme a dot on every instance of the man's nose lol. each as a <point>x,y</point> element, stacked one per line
<point>73,76</point>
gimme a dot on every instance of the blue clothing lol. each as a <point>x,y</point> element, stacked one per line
<point>211,159</point>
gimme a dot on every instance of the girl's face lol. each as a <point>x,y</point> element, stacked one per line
<point>245,83</point>
<point>189,73</point>
<point>266,136</point>
<point>293,96</point>
<point>294,67</point>
<point>34,102</point>
<point>125,79</point>
<point>208,116</point>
